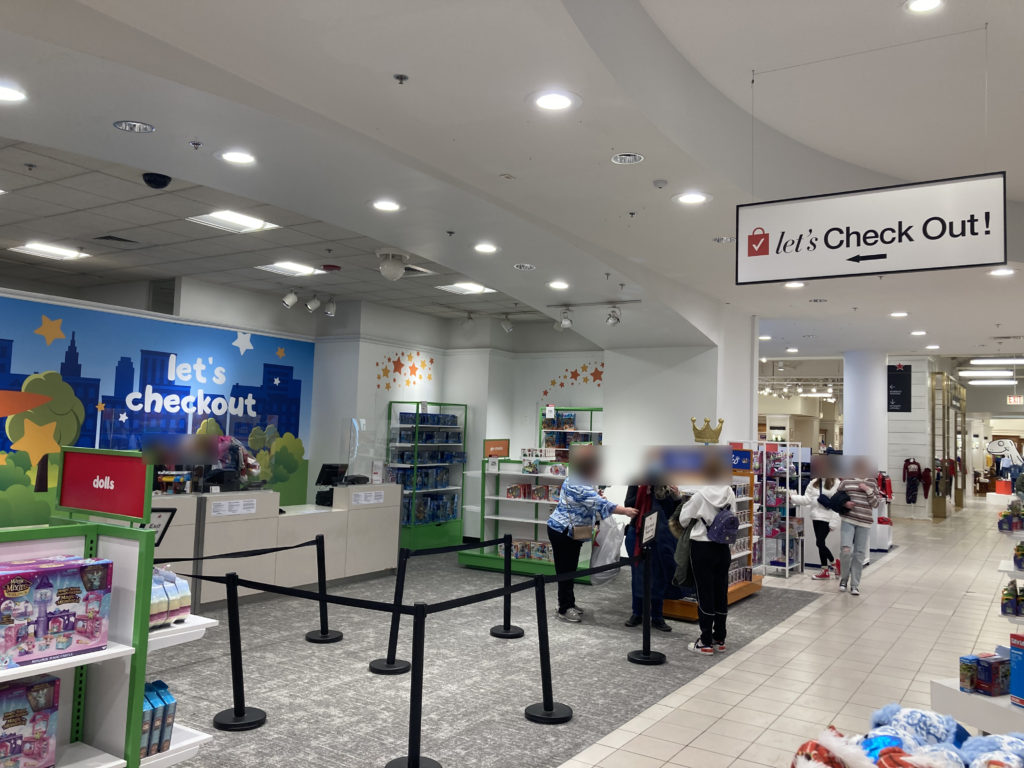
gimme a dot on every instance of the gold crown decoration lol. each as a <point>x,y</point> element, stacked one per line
<point>707,434</point>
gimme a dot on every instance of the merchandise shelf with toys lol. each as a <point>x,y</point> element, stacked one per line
<point>778,469</point>
<point>185,744</point>
<point>569,426</point>
<point>745,576</point>
<point>505,507</point>
<point>426,455</point>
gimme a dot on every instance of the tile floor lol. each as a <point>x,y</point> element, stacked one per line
<point>931,599</point>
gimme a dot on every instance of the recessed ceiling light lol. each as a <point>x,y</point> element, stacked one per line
<point>11,93</point>
<point>485,247</point>
<point>524,267</point>
<point>386,205</point>
<point>993,383</point>
<point>793,284</point>
<point>627,158</point>
<point>555,101</point>
<point>134,126</point>
<point>932,346</point>
<point>291,269</point>
<point>923,6</point>
<point>918,333</point>
<point>558,285</point>
<point>232,221</point>
<point>989,373</point>
<point>764,359</point>
<point>48,251</point>
<point>764,338</point>
<point>2,192</point>
<point>1002,272</point>
<point>465,289</point>
<point>897,314</point>
<point>238,157</point>
<point>692,197</point>
<point>998,361</point>
<point>792,350</point>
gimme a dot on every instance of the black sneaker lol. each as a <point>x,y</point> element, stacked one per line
<point>661,626</point>
<point>634,621</point>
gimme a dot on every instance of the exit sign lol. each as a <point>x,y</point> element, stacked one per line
<point>1015,399</point>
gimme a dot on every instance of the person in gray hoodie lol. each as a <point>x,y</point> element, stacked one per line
<point>709,560</point>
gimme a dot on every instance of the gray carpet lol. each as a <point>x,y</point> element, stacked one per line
<point>326,709</point>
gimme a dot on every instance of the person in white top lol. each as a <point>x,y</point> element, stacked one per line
<point>822,518</point>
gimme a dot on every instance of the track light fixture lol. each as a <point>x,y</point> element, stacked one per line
<point>392,264</point>
<point>330,308</point>
<point>506,325</point>
<point>614,316</point>
<point>313,304</point>
<point>289,300</point>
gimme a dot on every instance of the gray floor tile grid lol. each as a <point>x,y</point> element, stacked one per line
<point>325,708</point>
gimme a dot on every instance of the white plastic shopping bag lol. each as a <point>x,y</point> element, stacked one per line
<point>606,549</point>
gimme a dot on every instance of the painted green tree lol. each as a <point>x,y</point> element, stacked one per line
<point>285,457</point>
<point>210,427</point>
<point>64,410</point>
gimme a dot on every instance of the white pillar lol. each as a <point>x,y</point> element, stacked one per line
<point>865,422</point>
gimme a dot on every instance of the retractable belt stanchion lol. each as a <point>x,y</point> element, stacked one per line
<point>547,712</point>
<point>506,630</point>
<point>239,717</point>
<point>392,665</point>
<point>414,759</point>
<point>646,655</point>
<point>322,635</point>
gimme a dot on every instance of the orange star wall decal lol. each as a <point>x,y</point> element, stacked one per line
<point>404,368</point>
<point>280,352</point>
<point>50,330</point>
<point>397,365</point>
<point>37,441</point>
<point>412,369</point>
<point>587,373</point>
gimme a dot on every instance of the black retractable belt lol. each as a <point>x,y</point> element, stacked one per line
<point>239,717</point>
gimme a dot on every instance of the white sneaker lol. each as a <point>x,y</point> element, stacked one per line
<point>842,587</point>
<point>854,590</point>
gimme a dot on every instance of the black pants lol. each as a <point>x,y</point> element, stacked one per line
<point>821,530</point>
<point>566,551</point>
<point>710,564</point>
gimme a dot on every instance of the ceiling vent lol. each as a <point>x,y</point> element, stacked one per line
<point>116,239</point>
<point>412,270</point>
<point>1007,338</point>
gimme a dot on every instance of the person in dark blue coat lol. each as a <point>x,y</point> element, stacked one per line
<point>662,499</point>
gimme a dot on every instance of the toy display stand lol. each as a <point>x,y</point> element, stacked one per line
<point>990,714</point>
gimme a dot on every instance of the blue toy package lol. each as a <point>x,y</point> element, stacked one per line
<point>156,728</point>
<point>147,725</point>
<point>1017,670</point>
<point>170,707</point>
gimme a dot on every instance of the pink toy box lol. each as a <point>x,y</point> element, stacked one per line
<point>28,722</point>
<point>51,608</point>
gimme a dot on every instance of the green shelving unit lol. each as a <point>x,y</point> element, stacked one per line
<point>552,432</point>
<point>428,459</point>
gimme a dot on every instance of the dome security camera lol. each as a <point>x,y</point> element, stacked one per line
<point>156,180</point>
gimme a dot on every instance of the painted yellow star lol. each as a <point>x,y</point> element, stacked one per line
<point>101,407</point>
<point>552,382</point>
<point>37,441</point>
<point>387,385</point>
<point>280,352</point>
<point>586,380</point>
<point>410,357</point>
<point>583,367</point>
<point>430,377</point>
<point>50,330</point>
<point>408,383</point>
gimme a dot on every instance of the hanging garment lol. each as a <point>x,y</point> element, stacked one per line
<point>884,485</point>
<point>911,468</point>
<point>912,483</point>
<point>926,481</point>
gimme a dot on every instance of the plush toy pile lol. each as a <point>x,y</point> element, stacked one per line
<point>911,738</point>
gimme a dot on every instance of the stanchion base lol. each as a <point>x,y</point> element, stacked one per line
<point>649,659</point>
<point>332,636</point>
<point>559,713</point>
<point>403,762</point>
<point>381,667</point>
<point>229,721</point>
<point>511,633</point>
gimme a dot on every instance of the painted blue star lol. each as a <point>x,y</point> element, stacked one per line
<point>243,342</point>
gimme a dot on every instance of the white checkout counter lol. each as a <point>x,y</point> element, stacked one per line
<point>360,531</point>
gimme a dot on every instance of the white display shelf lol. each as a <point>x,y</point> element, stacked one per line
<point>577,431</point>
<point>746,525</point>
<point>1006,566</point>
<point>426,445</point>
<point>1013,534</point>
<point>185,744</point>
<point>433,464</point>
<point>993,714</point>
<point>79,755</point>
<point>433,490</point>
<point>559,478</point>
<point>112,651</point>
<point>193,628</point>
<point>507,519</point>
<point>743,553</point>
<point>521,501</point>
<point>1013,619</point>
<point>430,427</point>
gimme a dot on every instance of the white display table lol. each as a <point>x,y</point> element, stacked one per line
<point>360,531</point>
<point>991,714</point>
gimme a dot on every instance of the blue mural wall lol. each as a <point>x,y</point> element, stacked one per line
<point>142,379</point>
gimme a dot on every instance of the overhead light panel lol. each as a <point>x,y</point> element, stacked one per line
<point>289,300</point>
<point>764,338</point>
<point>993,383</point>
<point>465,289</point>
<point>11,93</point>
<point>558,285</point>
<point>614,316</point>
<point>291,269</point>
<point>232,221</point>
<point>792,350</point>
<point>506,325</point>
<point>988,373</point>
<point>693,197</point>
<point>932,346</point>
<point>48,251</point>
<point>238,157</point>
<point>331,307</point>
<point>919,333</point>
<point>923,6</point>
<point>386,205</point>
<point>793,284</point>
<point>998,361</point>
<point>555,101</point>
<point>897,314</point>
<point>485,247</point>
<point>1002,272</point>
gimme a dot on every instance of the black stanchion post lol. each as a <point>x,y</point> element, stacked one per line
<point>414,759</point>
<point>646,655</point>
<point>392,665</point>
<point>505,630</point>
<point>549,711</point>
<point>322,635</point>
<point>239,717</point>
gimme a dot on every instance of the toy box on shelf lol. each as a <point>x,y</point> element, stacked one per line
<point>565,426</point>
<point>426,455</point>
<point>779,470</point>
<point>517,496</point>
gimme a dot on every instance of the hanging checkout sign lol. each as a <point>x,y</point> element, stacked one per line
<point>944,224</point>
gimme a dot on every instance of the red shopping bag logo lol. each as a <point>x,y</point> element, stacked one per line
<point>757,242</point>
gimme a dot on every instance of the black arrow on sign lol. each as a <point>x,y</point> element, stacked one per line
<point>868,257</point>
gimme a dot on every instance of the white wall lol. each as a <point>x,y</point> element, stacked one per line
<point>910,436</point>
<point>737,365</point>
<point>236,308</point>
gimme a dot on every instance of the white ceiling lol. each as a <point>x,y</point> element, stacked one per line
<point>308,87</point>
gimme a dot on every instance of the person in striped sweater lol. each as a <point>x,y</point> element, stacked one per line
<point>856,523</point>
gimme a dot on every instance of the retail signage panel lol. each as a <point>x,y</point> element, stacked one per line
<point>1014,400</point>
<point>650,527</point>
<point>741,460</point>
<point>108,483</point>
<point>899,379</point>
<point>943,224</point>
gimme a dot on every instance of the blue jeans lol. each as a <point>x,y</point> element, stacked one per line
<point>853,550</point>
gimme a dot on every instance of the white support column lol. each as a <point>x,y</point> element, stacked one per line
<point>865,422</point>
